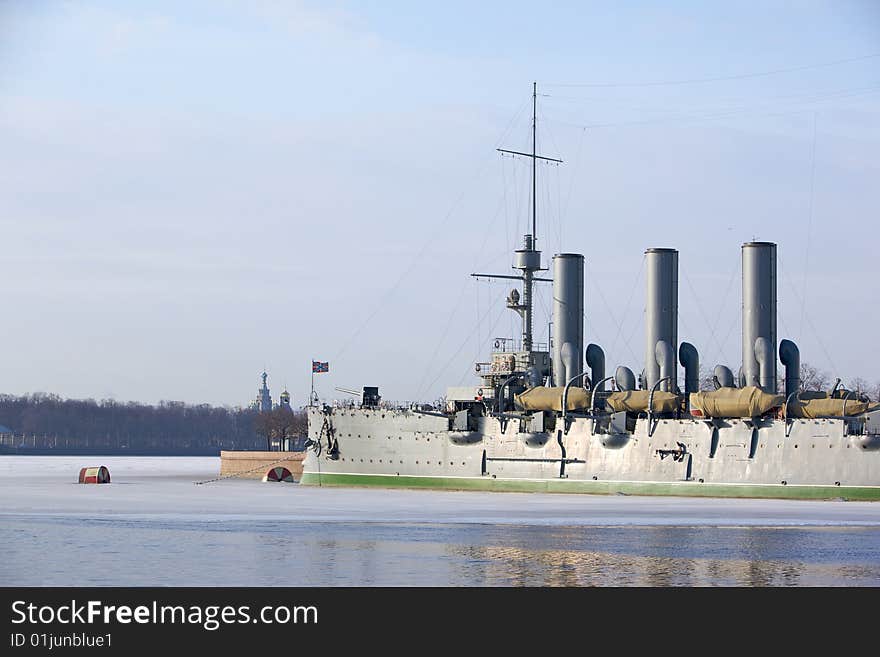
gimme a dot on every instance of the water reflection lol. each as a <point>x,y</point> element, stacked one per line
<point>163,551</point>
<point>673,556</point>
<point>518,567</point>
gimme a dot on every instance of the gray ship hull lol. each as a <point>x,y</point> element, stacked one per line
<point>808,459</point>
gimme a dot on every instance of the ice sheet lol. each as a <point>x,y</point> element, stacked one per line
<point>145,487</point>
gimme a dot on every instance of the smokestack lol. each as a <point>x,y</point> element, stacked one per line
<point>661,317</point>
<point>568,317</point>
<point>759,315</point>
<point>790,356</point>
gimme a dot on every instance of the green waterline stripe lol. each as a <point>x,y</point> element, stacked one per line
<point>682,489</point>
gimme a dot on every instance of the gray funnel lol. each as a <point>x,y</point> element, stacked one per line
<point>568,317</point>
<point>661,317</point>
<point>759,315</point>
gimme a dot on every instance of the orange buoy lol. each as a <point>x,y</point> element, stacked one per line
<point>279,474</point>
<point>98,475</point>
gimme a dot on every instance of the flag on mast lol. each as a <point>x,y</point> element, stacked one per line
<point>319,367</point>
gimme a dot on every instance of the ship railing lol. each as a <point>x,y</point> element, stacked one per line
<point>393,405</point>
<point>512,345</point>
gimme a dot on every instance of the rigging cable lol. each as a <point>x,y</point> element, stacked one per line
<point>504,198</point>
<point>430,239</point>
<point>809,222</point>
<point>808,320</point>
<point>574,171</point>
<point>548,185</point>
<point>454,312</point>
<point>722,114</point>
<point>718,316</point>
<point>608,306</point>
<point>626,311</point>
<point>736,323</point>
<point>479,327</point>
<point>439,343</point>
<point>464,344</point>
<point>701,309</point>
<point>720,78</point>
<point>543,301</point>
<point>470,369</point>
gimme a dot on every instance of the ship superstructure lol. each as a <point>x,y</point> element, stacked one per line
<point>550,418</point>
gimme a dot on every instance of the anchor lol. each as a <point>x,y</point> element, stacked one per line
<point>676,454</point>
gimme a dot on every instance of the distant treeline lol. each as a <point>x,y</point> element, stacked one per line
<point>48,421</point>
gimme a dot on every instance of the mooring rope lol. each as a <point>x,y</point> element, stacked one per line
<point>243,472</point>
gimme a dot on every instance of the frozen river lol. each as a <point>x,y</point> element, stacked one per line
<point>154,526</point>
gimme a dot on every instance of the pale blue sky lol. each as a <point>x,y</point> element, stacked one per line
<point>195,191</point>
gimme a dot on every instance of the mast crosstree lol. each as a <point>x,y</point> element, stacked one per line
<point>528,258</point>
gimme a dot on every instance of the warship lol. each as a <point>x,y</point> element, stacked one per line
<point>550,418</point>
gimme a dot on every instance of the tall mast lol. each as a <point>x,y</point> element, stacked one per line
<point>534,157</point>
<point>528,258</point>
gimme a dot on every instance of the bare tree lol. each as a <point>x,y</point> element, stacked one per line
<point>861,385</point>
<point>812,378</point>
<point>283,424</point>
<point>264,425</point>
<point>53,422</point>
<point>707,378</point>
<point>301,423</point>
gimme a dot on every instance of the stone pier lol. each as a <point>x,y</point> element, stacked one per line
<point>253,465</point>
